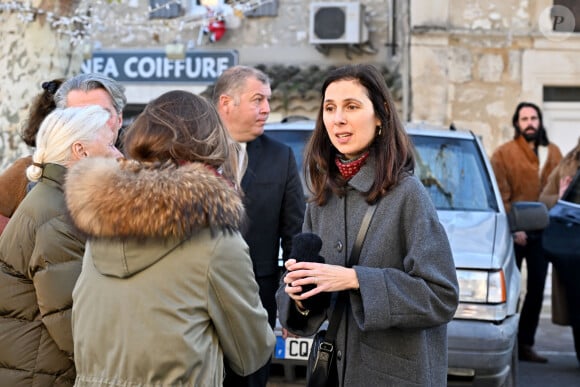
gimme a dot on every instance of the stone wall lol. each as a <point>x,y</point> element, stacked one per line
<point>473,61</point>
<point>467,62</point>
<point>471,81</point>
<point>30,54</point>
<point>281,39</point>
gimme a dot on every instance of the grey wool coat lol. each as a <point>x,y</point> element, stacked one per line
<point>167,292</point>
<point>394,331</point>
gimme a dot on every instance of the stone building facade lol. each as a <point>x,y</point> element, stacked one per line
<point>466,62</point>
<point>473,61</point>
<point>278,41</point>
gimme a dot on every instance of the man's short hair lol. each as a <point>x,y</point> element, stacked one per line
<point>92,81</point>
<point>233,80</point>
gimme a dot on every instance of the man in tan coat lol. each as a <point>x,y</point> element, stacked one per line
<point>522,167</point>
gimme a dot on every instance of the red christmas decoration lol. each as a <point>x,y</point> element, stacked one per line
<point>216,29</point>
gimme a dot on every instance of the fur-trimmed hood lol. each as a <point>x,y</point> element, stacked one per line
<point>135,214</point>
<point>125,199</point>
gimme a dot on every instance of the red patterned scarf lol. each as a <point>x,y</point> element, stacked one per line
<point>349,168</point>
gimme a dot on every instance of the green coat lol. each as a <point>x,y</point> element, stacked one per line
<point>167,291</point>
<point>40,260</point>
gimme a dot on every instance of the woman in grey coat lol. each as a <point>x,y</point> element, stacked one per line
<point>404,289</point>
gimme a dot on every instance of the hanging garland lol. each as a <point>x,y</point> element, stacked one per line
<point>213,22</point>
<point>75,26</point>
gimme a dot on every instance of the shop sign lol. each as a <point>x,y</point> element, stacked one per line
<point>202,67</point>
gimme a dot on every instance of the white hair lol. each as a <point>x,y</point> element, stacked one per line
<point>60,130</point>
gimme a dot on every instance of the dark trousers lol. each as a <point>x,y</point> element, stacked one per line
<point>268,287</point>
<point>537,267</point>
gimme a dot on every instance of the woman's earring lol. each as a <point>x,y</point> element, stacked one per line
<point>380,128</point>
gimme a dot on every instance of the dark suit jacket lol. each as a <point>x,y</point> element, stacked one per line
<point>274,200</point>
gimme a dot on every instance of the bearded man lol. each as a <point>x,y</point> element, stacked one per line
<point>522,167</point>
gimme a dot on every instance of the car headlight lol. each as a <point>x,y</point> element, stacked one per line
<point>481,286</point>
<point>482,295</point>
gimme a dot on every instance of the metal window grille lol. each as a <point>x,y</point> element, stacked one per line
<point>270,8</point>
<point>164,9</point>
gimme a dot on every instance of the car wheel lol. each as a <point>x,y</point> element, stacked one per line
<point>512,379</point>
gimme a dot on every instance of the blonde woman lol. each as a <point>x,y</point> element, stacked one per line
<point>40,254</point>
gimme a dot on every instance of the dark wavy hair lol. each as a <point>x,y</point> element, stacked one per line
<point>391,149</point>
<point>42,105</point>
<point>542,138</point>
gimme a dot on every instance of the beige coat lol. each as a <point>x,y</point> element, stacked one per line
<point>13,183</point>
<point>167,291</point>
<point>13,186</point>
<point>549,196</point>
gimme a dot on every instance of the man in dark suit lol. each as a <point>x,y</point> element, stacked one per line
<point>273,193</point>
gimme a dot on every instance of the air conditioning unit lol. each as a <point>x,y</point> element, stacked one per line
<point>338,23</point>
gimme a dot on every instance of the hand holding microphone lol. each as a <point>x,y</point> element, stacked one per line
<point>306,248</point>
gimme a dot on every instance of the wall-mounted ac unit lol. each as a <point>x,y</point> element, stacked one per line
<point>338,23</point>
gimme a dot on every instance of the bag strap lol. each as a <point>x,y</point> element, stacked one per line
<point>362,233</point>
<point>353,260</point>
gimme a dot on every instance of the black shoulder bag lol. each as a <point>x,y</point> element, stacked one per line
<point>322,370</point>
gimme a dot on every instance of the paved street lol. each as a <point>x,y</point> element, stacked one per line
<point>562,370</point>
<point>556,343</point>
<point>278,377</point>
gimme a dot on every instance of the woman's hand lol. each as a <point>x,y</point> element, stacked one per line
<point>286,334</point>
<point>325,278</point>
<point>564,183</point>
<point>521,238</point>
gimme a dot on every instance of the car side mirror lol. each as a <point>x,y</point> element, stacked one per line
<point>528,216</point>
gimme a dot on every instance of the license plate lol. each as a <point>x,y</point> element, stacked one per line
<point>296,348</point>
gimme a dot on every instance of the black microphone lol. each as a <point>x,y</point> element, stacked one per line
<point>306,248</point>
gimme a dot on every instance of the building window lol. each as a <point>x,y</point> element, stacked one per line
<point>164,9</point>
<point>574,7</point>
<point>561,94</point>
<point>269,8</point>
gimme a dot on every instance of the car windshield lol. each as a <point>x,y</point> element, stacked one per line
<point>451,170</point>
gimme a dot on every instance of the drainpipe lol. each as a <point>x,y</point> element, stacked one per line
<point>393,39</point>
<point>406,59</point>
